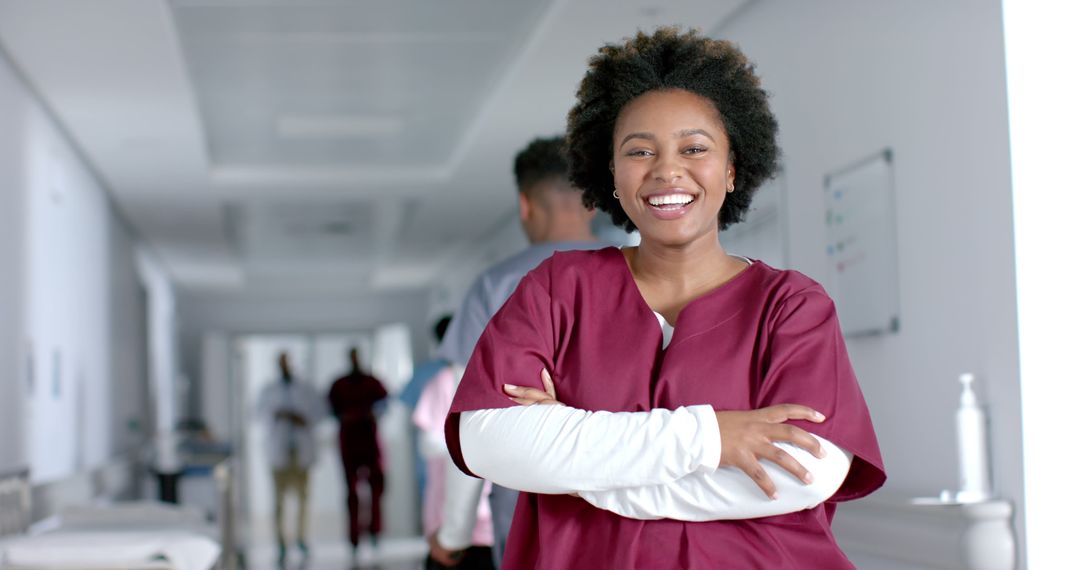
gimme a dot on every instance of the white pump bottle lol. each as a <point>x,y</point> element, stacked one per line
<point>972,446</point>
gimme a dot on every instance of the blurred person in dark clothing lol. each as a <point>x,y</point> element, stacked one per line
<point>353,400</point>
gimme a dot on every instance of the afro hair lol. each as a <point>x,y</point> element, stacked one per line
<point>671,59</point>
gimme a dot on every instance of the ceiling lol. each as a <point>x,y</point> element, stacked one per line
<point>256,143</point>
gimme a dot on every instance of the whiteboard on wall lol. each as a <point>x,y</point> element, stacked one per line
<point>860,221</point>
<point>762,234</point>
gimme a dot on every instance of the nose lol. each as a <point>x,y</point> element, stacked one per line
<point>667,169</point>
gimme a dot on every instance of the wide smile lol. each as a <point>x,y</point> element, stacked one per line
<point>670,205</point>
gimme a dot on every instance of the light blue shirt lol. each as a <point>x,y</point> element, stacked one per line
<point>488,293</point>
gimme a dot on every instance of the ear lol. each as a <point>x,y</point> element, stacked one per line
<point>524,206</point>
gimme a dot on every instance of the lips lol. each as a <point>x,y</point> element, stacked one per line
<point>670,204</point>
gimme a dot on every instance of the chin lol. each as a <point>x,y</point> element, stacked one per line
<point>676,237</point>
<point>668,239</point>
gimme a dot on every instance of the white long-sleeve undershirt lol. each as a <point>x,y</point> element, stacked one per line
<point>558,449</point>
<point>729,494</point>
<point>642,465</point>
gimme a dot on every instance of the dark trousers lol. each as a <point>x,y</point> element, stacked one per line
<point>373,475</point>
<point>476,558</point>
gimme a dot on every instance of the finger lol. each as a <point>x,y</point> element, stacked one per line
<point>800,437</point>
<point>785,461</point>
<point>545,401</point>
<point>531,394</point>
<point>449,558</point>
<point>761,478</point>
<point>549,385</point>
<point>785,412</point>
<point>523,391</point>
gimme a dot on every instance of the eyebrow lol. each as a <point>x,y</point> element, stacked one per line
<point>680,134</point>
<point>691,132</point>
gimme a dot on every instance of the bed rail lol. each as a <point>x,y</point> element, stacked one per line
<point>14,502</point>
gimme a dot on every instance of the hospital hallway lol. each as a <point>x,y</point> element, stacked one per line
<point>249,250</point>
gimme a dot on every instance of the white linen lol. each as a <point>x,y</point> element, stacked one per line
<point>135,515</point>
<point>114,549</point>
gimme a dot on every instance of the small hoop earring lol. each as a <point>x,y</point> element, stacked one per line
<point>731,189</point>
<point>615,193</point>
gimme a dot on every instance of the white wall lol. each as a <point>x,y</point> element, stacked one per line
<point>1041,46</point>
<point>70,312</point>
<point>927,79</point>
<point>162,344</point>
<point>12,212</point>
<point>125,308</point>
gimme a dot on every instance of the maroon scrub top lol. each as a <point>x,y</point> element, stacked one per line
<point>352,400</point>
<point>765,337</point>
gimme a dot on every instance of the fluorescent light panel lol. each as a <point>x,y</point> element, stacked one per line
<point>338,126</point>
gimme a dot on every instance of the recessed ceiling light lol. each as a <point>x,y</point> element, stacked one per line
<point>338,126</point>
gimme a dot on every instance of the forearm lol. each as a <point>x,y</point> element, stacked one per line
<point>728,493</point>
<point>558,449</point>
<point>463,495</point>
<point>432,444</point>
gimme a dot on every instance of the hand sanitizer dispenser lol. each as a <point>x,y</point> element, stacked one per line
<point>972,446</point>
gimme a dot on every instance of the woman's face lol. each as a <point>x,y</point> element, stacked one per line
<point>671,166</point>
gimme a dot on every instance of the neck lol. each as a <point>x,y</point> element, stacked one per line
<point>567,232</point>
<point>686,267</point>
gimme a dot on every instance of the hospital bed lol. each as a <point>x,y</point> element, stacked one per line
<point>121,536</point>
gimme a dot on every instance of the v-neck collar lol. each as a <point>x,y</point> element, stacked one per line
<point>690,323</point>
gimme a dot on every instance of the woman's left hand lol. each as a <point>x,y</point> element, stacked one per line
<point>529,396</point>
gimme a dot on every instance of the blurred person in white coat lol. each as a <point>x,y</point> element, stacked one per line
<point>290,409</point>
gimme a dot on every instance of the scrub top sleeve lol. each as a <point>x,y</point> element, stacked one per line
<point>516,345</point>
<point>806,362</point>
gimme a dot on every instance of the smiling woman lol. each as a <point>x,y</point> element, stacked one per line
<point>670,170</point>
<point>716,72</point>
<point>710,416</point>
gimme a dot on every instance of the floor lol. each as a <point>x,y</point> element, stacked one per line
<point>390,554</point>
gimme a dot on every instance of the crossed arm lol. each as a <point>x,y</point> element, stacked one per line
<point>691,463</point>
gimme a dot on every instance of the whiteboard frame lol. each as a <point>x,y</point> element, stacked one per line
<point>867,304</point>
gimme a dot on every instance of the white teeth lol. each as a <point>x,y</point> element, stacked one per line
<point>671,199</point>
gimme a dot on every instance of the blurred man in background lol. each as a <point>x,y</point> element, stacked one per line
<point>554,219</point>
<point>290,409</point>
<point>353,400</point>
